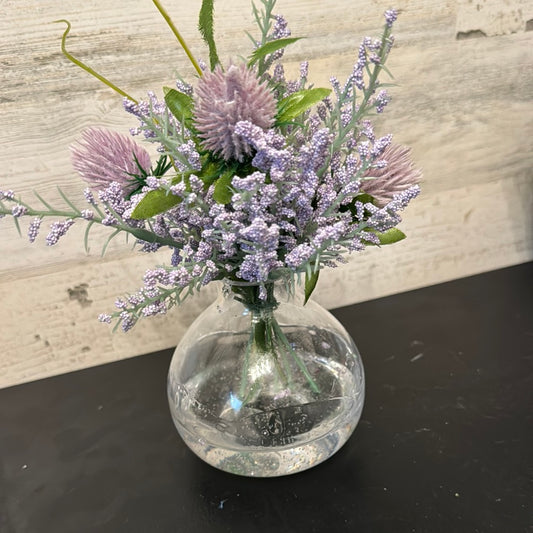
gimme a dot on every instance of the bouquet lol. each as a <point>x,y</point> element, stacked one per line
<point>256,175</point>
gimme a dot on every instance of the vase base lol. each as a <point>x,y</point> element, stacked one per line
<point>269,463</point>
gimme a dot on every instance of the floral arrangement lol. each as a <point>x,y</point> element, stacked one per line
<point>257,175</point>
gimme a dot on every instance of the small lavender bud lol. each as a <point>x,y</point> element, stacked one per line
<point>152,182</point>
<point>57,230</point>
<point>109,220</point>
<point>104,318</point>
<point>89,196</point>
<point>390,17</point>
<point>19,210</point>
<point>7,195</point>
<point>33,229</point>
<point>304,69</point>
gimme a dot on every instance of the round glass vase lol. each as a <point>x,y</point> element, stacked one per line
<point>262,385</point>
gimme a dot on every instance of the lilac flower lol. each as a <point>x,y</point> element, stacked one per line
<point>33,229</point>
<point>256,267</point>
<point>382,99</point>
<point>390,16</point>
<point>7,195</point>
<point>223,98</point>
<point>57,230</point>
<point>89,196</point>
<point>299,256</point>
<point>103,156</point>
<point>18,210</point>
<point>281,29</point>
<point>398,175</point>
<point>145,111</point>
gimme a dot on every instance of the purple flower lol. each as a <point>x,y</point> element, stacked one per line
<point>33,229</point>
<point>299,256</point>
<point>224,98</point>
<point>398,175</point>
<point>390,17</point>
<point>103,157</point>
<point>18,210</point>
<point>57,230</point>
<point>7,195</point>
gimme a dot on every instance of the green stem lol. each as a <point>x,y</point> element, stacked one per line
<point>284,367</point>
<point>88,69</point>
<point>278,331</point>
<point>367,94</point>
<point>140,233</point>
<point>267,338</point>
<point>175,31</point>
<point>244,372</point>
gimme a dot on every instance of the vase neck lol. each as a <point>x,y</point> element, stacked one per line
<point>260,296</point>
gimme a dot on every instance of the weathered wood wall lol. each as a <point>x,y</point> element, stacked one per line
<point>464,103</point>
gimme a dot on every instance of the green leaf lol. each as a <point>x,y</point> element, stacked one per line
<point>180,104</point>
<point>295,104</point>
<point>310,284</point>
<point>210,172</point>
<point>271,47</point>
<point>390,236</point>
<point>222,193</point>
<point>364,198</point>
<point>206,27</point>
<point>154,203</point>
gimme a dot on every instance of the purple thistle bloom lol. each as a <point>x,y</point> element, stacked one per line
<point>398,175</point>
<point>225,98</point>
<point>103,157</point>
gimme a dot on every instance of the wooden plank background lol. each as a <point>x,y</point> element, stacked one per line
<point>463,102</point>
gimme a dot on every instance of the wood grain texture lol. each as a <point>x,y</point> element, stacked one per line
<point>463,102</point>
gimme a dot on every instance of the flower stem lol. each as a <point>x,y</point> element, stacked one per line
<point>88,69</point>
<point>267,338</point>
<point>175,31</point>
<point>140,233</point>
<point>278,331</point>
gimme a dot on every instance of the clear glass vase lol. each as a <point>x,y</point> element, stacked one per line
<point>262,385</point>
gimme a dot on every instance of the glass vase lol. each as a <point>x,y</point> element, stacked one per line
<point>263,385</point>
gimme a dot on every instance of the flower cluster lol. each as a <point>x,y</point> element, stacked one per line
<point>257,174</point>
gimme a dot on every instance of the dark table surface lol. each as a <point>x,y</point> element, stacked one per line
<point>445,442</point>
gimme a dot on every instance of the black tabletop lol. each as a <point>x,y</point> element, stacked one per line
<point>444,444</point>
